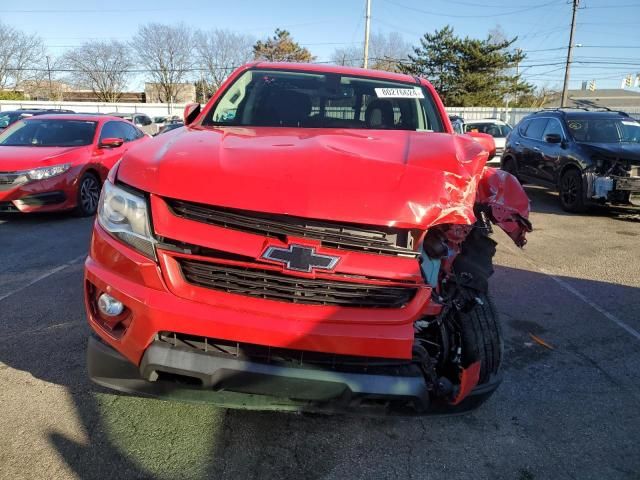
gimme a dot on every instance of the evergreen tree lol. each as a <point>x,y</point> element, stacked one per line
<point>468,72</point>
<point>281,48</point>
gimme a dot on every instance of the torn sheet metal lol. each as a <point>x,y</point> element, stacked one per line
<point>503,198</point>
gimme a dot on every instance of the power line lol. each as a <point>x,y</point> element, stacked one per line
<point>628,5</point>
<point>439,14</point>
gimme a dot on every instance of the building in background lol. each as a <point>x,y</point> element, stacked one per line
<point>186,92</point>
<point>612,98</point>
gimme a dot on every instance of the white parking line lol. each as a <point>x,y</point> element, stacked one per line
<point>608,315</point>
<point>46,274</point>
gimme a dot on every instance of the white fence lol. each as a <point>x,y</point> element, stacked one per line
<point>510,115</point>
<point>151,109</point>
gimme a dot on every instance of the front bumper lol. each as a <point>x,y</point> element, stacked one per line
<point>235,383</point>
<point>627,184</point>
<point>141,286</point>
<point>52,194</point>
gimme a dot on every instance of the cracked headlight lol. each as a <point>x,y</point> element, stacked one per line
<point>47,172</point>
<point>124,214</point>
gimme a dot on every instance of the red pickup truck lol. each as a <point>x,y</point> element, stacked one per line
<point>315,238</point>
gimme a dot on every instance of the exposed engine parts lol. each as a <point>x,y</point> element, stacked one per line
<point>457,260</point>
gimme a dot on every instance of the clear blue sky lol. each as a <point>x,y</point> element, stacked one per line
<point>607,29</point>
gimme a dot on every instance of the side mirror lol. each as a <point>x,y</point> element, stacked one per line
<point>487,142</point>
<point>191,112</point>
<point>553,138</point>
<point>110,143</point>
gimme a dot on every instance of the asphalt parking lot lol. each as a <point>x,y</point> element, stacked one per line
<point>569,411</point>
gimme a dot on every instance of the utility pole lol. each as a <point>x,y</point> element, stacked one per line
<point>515,92</point>
<point>49,72</point>
<point>367,24</point>
<point>565,88</point>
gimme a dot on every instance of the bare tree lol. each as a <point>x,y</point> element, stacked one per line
<point>21,55</point>
<point>166,52</point>
<point>385,52</point>
<point>219,52</point>
<point>102,67</point>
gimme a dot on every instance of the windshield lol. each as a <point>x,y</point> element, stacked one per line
<point>604,130</point>
<point>324,100</point>
<point>49,133</point>
<point>496,130</point>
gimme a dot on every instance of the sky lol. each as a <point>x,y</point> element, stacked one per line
<point>607,30</point>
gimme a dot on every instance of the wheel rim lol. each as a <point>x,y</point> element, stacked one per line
<point>569,189</point>
<point>89,194</point>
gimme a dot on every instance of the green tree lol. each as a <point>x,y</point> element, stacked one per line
<point>468,72</point>
<point>281,48</point>
<point>6,95</point>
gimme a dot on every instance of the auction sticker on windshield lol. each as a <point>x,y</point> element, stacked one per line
<point>415,92</point>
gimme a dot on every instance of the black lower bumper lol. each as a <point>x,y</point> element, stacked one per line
<point>183,375</point>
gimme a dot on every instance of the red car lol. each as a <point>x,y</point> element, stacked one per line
<point>316,238</point>
<point>59,162</point>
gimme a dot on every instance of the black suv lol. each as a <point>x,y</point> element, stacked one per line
<point>10,117</point>
<point>589,156</point>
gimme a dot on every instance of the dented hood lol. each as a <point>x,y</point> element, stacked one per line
<point>392,178</point>
<point>623,150</point>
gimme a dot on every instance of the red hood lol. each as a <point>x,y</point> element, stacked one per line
<point>25,158</point>
<point>401,178</point>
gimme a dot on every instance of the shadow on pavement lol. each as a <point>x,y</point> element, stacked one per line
<point>35,218</point>
<point>546,201</point>
<point>130,437</point>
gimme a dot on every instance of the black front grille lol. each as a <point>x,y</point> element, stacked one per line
<point>272,285</point>
<point>289,357</point>
<point>42,199</point>
<point>8,207</point>
<point>380,240</point>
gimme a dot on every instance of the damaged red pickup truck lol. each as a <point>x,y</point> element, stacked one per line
<point>315,239</point>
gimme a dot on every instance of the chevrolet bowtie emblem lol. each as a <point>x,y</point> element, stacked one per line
<point>300,258</point>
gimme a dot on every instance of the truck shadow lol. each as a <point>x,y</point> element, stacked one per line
<point>130,437</point>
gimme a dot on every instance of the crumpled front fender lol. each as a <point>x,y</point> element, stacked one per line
<point>503,199</point>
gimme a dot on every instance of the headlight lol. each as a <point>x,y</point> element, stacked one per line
<point>47,172</point>
<point>124,214</point>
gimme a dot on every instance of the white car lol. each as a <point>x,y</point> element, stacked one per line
<point>496,128</point>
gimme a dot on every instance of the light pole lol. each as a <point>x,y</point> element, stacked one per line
<point>49,73</point>
<point>367,24</point>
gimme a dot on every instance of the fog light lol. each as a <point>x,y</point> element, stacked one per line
<point>109,306</point>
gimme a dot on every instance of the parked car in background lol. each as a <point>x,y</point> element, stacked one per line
<point>498,129</point>
<point>10,117</point>
<point>59,162</point>
<point>170,126</point>
<point>588,156</point>
<point>308,241</point>
<point>140,120</point>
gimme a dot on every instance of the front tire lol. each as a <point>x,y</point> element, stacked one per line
<point>88,195</point>
<point>509,166</point>
<point>571,192</point>
<point>481,336</point>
